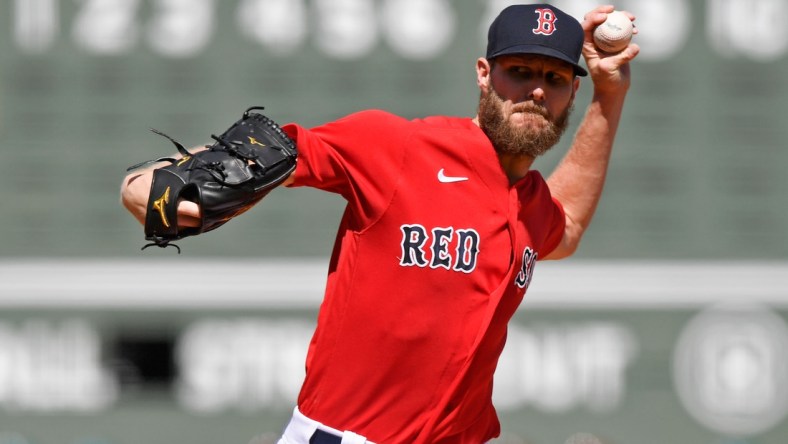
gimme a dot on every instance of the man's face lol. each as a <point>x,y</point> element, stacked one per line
<point>526,108</point>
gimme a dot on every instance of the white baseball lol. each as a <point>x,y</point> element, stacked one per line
<point>614,34</point>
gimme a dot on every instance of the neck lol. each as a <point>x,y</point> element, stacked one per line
<point>515,166</point>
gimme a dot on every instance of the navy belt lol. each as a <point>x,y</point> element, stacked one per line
<point>321,437</point>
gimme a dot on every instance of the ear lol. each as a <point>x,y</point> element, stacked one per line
<point>483,71</point>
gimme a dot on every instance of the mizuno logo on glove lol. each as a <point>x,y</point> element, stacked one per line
<point>160,205</point>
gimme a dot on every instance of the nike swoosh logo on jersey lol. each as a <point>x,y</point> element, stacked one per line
<point>443,178</point>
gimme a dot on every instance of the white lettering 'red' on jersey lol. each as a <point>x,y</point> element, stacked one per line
<point>433,255</point>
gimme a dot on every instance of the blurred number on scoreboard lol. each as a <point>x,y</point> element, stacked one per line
<point>353,29</point>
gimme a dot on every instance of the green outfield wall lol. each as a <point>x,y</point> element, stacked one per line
<point>698,170</point>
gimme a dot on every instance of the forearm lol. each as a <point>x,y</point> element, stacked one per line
<point>579,179</point>
<point>135,191</point>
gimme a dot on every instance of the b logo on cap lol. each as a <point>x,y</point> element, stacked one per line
<point>546,22</point>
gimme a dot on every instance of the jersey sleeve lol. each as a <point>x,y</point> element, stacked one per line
<point>557,226</point>
<point>359,157</point>
<point>547,229</point>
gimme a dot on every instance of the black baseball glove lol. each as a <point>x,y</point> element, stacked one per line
<point>244,164</point>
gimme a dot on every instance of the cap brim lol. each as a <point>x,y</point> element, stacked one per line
<point>541,50</point>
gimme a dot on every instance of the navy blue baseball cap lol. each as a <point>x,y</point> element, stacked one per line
<point>537,29</point>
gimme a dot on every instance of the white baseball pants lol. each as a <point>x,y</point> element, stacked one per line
<point>301,428</point>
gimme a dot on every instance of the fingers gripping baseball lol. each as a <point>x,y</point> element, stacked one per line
<point>609,70</point>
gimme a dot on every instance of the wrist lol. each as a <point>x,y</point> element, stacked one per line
<point>609,98</point>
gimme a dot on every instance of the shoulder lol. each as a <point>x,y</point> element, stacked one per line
<point>377,117</point>
<point>447,122</point>
<point>374,116</point>
<point>373,123</point>
<point>533,184</point>
<point>535,178</point>
<point>433,122</point>
<point>385,127</point>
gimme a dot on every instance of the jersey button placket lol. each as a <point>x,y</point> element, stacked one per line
<point>513,219</point>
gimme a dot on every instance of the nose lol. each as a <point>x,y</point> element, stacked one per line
<point>536,93</point>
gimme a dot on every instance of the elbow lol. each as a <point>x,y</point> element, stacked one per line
<point>125,189</point>
<point>125,200</point>
<point>572,243</point>
<point>569,243</point>
<point>562,251</point>
<point>134,196</point>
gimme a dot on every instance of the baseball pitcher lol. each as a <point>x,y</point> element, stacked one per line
<point>444,225</point>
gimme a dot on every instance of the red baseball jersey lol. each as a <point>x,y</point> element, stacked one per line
<point>433,255</point>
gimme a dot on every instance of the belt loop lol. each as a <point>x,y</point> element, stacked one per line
<point>352,438</point>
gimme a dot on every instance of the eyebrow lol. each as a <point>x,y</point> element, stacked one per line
<point>547,59</point>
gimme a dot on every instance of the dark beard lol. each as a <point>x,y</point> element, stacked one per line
<point>508,139</point>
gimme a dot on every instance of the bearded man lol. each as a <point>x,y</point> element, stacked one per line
<point>444,223</point>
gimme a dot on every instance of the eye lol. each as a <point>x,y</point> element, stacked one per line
<point>520,71</point>
<point>556,78</point>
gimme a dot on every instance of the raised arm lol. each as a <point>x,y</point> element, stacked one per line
<point>578,180</point>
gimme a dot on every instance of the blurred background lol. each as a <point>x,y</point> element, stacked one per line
<point>669,325</point>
